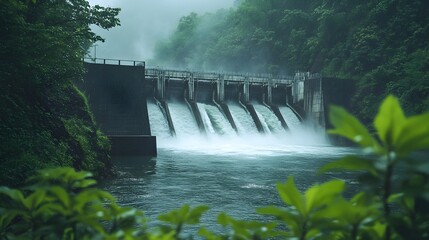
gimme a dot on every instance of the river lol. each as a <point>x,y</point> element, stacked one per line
<point>227,175</point>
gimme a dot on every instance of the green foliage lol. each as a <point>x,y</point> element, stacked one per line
<point>397,137</point>
<point>380,45</point>
<point>41,49</point>
<point>179,217</point>
<point>63,204</point>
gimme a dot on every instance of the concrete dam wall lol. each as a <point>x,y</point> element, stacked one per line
<point>189,103</point>
<point>115,96</point>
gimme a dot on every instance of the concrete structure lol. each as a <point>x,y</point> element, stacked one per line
<point>115,96</point>
<point>302,92</point>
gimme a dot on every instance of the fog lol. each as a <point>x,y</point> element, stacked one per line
<point>144,23</point>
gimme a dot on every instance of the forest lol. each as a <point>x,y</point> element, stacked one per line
<point>380,46</point>
<point>45,120</point>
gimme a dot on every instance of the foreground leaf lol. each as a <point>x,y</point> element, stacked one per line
<point>389,121</point>
<point>348,126</point>
<point>353,163</point>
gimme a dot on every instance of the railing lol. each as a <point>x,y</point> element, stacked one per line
<point>114,61</point>
<point>210,76</point>
<point>228,76</point>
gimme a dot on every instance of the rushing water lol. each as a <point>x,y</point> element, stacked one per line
<point>242,119</point>
<point>292,120</point>
<point>158,123</point>
<point>230,172</point>
<point>231,176</point>
<point>270,122</point>
<point>214,121</point>
<point>184,123</point>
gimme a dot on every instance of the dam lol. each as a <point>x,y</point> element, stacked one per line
<point>134,104</point>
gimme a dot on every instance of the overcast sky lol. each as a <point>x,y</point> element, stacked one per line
<point>144,23</point>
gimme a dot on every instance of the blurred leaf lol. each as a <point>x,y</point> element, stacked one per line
<point>319,195</point>
<point>414,135</point>
<point>289,216</point>
<point>354,163</point>
<point>85,183</point>
<point>35,199</point>
<point>394,198</point>
<point>389,121</point>
<point>62,195</point>
<point>15,195</point>
<point>184,215</point>
<point>223,219</point>
<point>208,234</point>
<point>242,229</point>
<point>195,214</point>
<point>348,126</point>
<point>291,196</point>
<point>6,218</point>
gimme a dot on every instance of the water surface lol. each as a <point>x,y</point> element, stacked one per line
<point>227,175</point>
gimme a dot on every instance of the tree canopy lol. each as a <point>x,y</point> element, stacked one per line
<point>381,45</point>
<point>44,118</point>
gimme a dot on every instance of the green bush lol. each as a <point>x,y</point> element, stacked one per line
<point>64,204</point>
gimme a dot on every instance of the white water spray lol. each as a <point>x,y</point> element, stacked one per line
<point>221,139</point>
<point>268,119</point>
<point>291,119</point>
<point>214,120</point>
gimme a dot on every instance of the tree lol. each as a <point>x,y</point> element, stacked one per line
<point>41,49</point>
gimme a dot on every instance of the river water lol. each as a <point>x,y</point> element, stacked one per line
<point>232,178</point>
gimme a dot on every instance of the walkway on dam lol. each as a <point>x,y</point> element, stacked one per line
<point>212,76</point>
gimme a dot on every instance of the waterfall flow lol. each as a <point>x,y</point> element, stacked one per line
<point>242,119</point>
<point>158,123</point>
<point>183,120</point>
<point>269,120</point>
<point>291,119</point>
<point>215,122</point>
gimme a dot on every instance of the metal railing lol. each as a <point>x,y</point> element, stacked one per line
<point>209,75</point>
<point>115,61</point>
<point>229,76</point>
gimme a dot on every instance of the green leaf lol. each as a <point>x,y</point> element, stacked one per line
<point>223,219</point>
<point>85,183</point>
<point>289,216</point>
<point>204,232</point>
<point>6,218</point>
<point>353,163</point>
<point>184,215</point>
<point>348,126</point>
<point>15,195</point>
<point>393,198</point>
<point>62,195</point>
<point>414,134</point>
<point>279,212</point>
<point>35,199</point>
<point>389,121</point>
<point>290,195</point>
<point>195,214</point>
<point>320,195</point>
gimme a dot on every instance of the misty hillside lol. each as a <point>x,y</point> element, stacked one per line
<point>380,45</point>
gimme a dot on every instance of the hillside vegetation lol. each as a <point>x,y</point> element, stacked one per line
<point>382,46</point>
<point>44,119</point>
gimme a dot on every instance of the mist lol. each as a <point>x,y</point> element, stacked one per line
<point>144,23</point>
